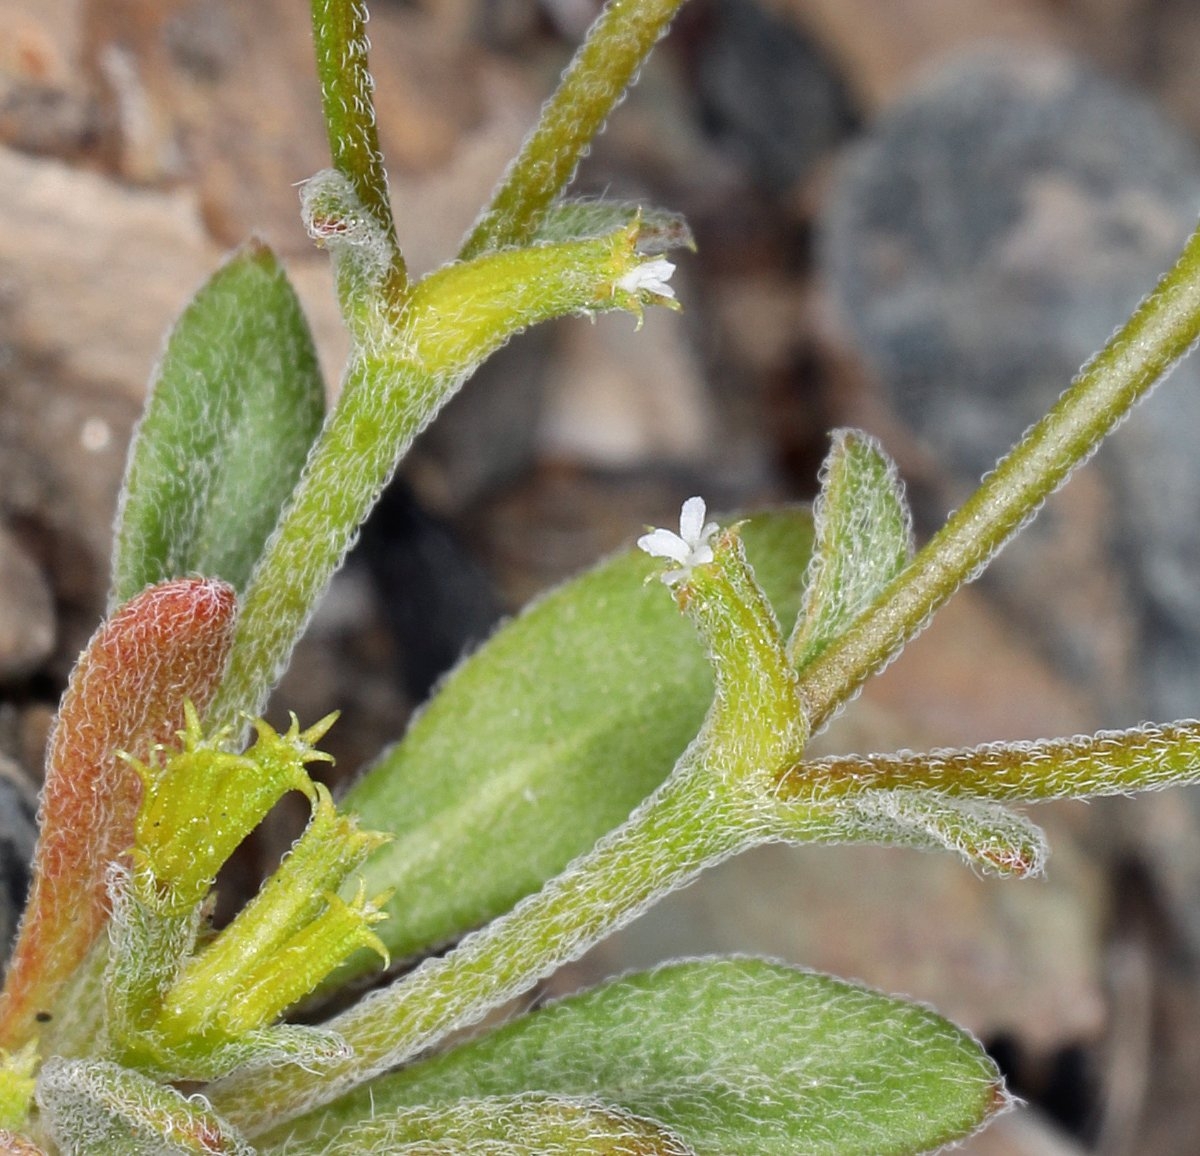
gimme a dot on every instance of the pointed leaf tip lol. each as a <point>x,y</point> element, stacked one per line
<point>234,406</point>
<point>864,539</point>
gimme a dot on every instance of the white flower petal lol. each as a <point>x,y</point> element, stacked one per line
<point>691,519</point>
<point>691,547</point>
<point>649,277</point>
<point>664,544</point>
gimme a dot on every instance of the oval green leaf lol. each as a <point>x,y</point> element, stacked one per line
<point>738,1057</point>
<point>864,539</point>
<point>546,738</point>
<point>234,407</point>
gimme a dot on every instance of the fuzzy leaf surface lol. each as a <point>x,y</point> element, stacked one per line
<point>530,1125</point>
<point>864,538</point>
<point>738,1057</point>
<point>659,230</point>
<point>545,739</point>
<point>989,836</point>
<point>234,407</point>
<point>98,1107</point>
<point>126,693</point>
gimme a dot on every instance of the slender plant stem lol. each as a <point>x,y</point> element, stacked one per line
<point>374,422</point>
<point>605,65</point>
<point>1160,331</point>
<point>347,96</point>
<point>1109,763</point>
<point>394,386</point>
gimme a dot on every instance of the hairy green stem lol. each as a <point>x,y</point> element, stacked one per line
<point>374,422</point>
<point>340,40</point>
<point>1136,357</point>
<point>605,65</point>
<point>1108,763</point>
<point>398,378</point>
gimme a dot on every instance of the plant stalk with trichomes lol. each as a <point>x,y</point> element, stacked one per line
<point>539,800</point>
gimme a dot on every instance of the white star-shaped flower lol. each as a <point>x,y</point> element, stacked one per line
<point>690,547</point>
<point>649,277</point>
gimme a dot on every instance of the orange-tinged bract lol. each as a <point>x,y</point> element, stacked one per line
<point>126,694</point>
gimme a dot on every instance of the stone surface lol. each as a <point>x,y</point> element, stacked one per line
<point>618,402</point>
<point>767,93</point>
<point>26,611</point>
<point>1023,1132</point>
<point>62,451</point>
<point>46,105</point>
<point>982,243</point>
<point>144,251</point>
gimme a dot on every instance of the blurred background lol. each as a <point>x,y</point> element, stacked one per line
<point>914,216</point>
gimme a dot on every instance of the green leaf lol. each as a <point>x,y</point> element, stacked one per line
<point>545,739</point>
<point>739,1057</point>
<point>528,1125</point>
<point>864,539</point>
<point>234,407</point>
<point>659,230</point>
<point>93,1106</point>
<point>986,834</point>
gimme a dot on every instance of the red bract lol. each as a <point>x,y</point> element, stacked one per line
<point>126,693</point>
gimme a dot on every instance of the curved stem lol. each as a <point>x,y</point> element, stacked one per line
<point>1135,359</point>
<point>395,383</point>
<point>604,67</point>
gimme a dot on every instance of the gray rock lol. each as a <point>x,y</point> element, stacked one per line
<point>62,451</point>
<point>982,243</point>
<point>767,93</point>
<point>26,611</point>
<point>990,232</point>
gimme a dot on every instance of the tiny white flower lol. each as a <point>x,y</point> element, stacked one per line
<point>649,277</point>
<point>690,547</point>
